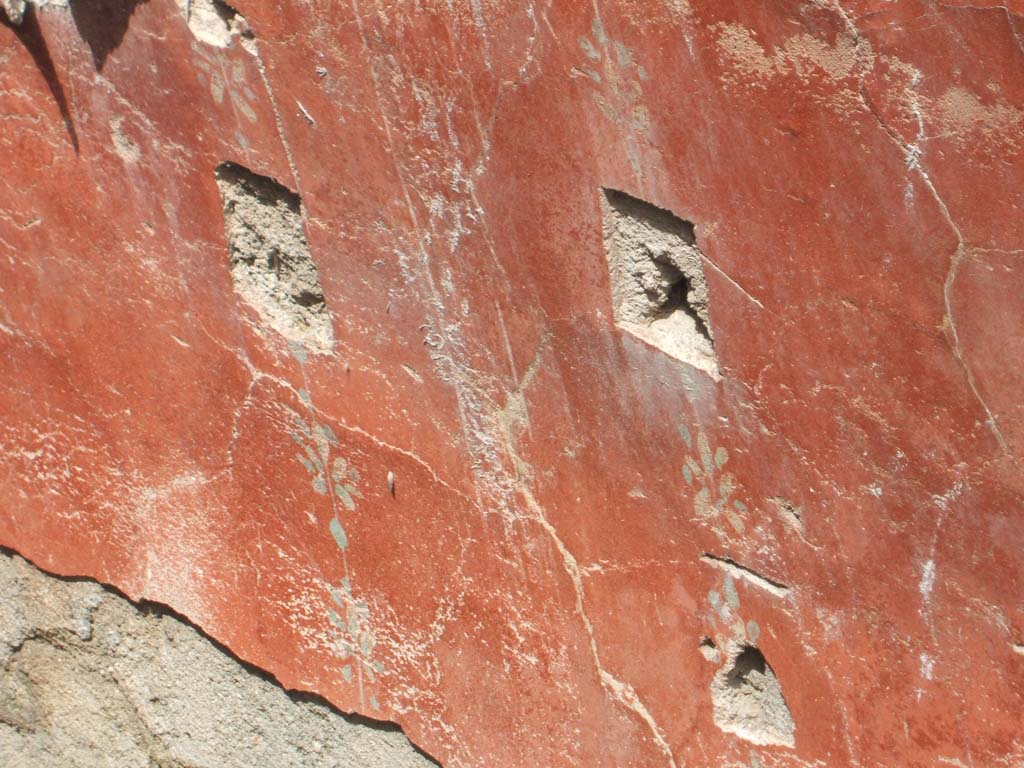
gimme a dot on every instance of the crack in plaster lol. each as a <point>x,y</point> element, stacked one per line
<point>446,347</point>
<point>947,292</point>
<point>621,692</point>
<point>968,7</point>
<point>735,285</point>
<point>611,566</point>
<point>256,374</point>
<point>741,572</point>
<point>1013,31</point>
<point>913,154</point>
<point>282,134</point>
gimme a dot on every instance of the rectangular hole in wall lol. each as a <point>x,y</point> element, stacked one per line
<point>659,293</point>
<point>271,265</point>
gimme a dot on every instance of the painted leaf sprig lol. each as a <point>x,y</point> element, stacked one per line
<point>355,640</point>
<point>334,476</point>
<point>345,478</point>
<point>715,487</point>
<point>316,444</point>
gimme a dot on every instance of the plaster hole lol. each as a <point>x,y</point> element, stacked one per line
<point>659,293</point>
<point>126,149</point>
<point>271,266</point>
<point>215,22</point>
<point>15,10</point>
<point>748,700</point>
<point>709,650</point>
<point>791,514</point>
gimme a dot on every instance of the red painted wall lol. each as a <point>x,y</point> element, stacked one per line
<point>534,593</point>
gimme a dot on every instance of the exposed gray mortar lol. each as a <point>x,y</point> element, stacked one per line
<point>271,265</point>
<point>216,23</point>
<point>652,255</point>
<point>90,680</point>
<point>747,699</point>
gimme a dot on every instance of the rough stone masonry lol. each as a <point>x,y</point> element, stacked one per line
<point>89,680</point>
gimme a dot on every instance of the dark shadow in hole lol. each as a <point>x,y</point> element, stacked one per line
<point>679,300</point>
<point>31,36</point>
<point>102,24</point>
<point>749,660</point>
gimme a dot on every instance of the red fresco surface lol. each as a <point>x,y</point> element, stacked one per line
<point>534,593</point>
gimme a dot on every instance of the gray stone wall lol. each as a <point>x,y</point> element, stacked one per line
<point>90,680</point>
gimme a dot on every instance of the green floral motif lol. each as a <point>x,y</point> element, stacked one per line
<point>615,77</point>
<point>354,639</point>
<point>715,488</point>
<point>345,477</point>
<point>725,614</point>
<point>316,444</point>
<point>340,537</point>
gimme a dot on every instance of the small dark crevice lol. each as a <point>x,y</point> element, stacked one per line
<point>678,301</point>
<point>750,659</point>
<point>229,15</point>
<point>225,11</point>
<point>234,22</point>
<point>708,649</point>
<point>792,514</point>
<point>308,299</point>
<point>741,571</point>
<point>267,189</point>
<point>661,219</point>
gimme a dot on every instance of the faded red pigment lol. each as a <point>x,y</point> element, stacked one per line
<point>490,514</point>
